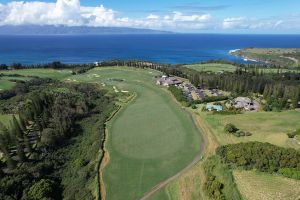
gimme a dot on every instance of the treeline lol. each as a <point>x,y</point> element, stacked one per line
<point>35,145</point>
<point>264,157</point>
<point>76,68</point>
<point>22,87</point>
<point>178,94</point>
<point>243,81</point>
<point>258,65</point>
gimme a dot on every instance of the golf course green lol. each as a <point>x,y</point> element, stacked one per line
<point>151,138</point>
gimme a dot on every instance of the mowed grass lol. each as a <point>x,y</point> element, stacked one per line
<point>6,84</point>
<point>42,73</point>
<point>257,185</point>
<point>269,127</point>
<point>149,140</point>
<point>218,67</point>
<point>212,67</point>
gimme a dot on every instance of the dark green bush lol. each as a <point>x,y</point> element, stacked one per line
<point>230,128</point>
<point>264,157</point>
<point>290,173</point>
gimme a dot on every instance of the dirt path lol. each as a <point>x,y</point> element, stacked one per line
<point>105,158</point>
<point>291,58</point>
<point>208,147</point>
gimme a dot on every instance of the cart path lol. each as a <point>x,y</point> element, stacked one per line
<point>187,168</point>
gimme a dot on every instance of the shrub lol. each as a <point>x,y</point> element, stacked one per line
<point>293,134</point>
<point>230,128</point>
<point>264,157</point>
<point>290,173</point>
<point>42,189</point>
<point>178,94</point>
<point>241,133</point>
<point>247,133</point>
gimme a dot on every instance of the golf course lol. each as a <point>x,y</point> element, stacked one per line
<point>151,138</point>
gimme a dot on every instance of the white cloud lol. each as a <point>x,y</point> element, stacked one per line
<point>63,12</point>
<point>234,23</point>
<point>178,16</point>
<point>71,13</point>
<point>153,17</point>
<point>265,24</point>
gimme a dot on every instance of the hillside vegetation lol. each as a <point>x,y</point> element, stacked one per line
<point>278,56</point>
<point>50,148</point>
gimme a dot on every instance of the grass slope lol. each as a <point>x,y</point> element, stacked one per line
<point>150,139</point>
<point>213,67</point>
<point>42,73</point>
<point>266,126</point>
<point>269,127</point>
<point>255,186</point>
<point>280,56</point>
<point>6,84</point>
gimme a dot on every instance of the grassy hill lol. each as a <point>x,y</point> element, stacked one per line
<point>149,140</point>
<point>287,57</point>
<point>255,186</point>
<point>212,67</point>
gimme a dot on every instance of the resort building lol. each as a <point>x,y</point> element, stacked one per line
<point>211,107</point>
<point>168,81</point>
<point>245,103</point>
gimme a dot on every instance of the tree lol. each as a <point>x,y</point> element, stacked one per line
<point>16,127</point>
<point>48,137</point>
<point>27,143</point>
<point>230,128</point>
<point>20,152</point>
<point>11,164</point>
<point>43,189</point>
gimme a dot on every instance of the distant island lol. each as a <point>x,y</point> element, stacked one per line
<point>72,30</point>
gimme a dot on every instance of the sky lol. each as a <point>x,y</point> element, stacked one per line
<point>190,16</point>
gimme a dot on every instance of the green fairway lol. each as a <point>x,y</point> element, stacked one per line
<point>269,127</point>
<point>6,84</point>
<point>43,73</point>
<point>212,67</point>
<point>149,140</point>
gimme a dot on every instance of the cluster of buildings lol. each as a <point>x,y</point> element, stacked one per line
<point>215,92</point>
<point>189,91</point>
<point>245,103</point>
<point>169,81</point>
<point>193,93</point>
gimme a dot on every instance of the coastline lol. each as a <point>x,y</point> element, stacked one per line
<point>235,53</point>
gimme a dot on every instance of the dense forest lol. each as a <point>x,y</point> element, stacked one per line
<point>264,157</point>
<point>50,150</point>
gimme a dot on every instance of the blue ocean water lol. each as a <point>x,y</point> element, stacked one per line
<point>170,48</point>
